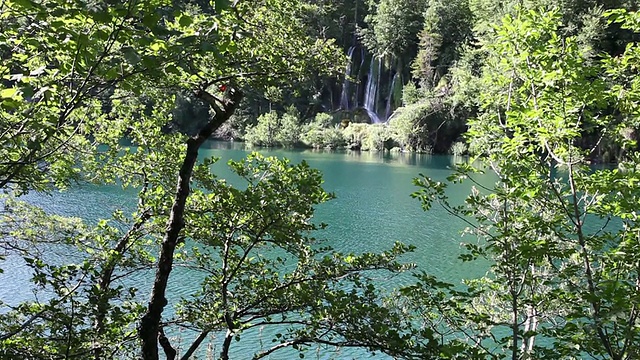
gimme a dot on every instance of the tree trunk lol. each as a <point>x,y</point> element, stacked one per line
<point>224,354</point>
<point>149,329</point>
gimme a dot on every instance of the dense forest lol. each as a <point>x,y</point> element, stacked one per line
<point>412,68</point>
<point>127,93</point>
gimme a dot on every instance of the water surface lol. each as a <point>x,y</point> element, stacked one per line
<point>373,209</point>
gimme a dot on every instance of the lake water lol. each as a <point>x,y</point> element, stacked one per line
<point>373,209</point>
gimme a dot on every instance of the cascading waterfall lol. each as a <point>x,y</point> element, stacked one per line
<point>344,96</point>
<point>360,69</point>
<point>377,89</point>
<point>366,94</point>
<point>371,91</point>
<point>392,93</point>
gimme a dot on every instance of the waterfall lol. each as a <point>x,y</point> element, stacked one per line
<point>376,98</point>
<point>344,96</point>
<point>371,91</point>
<point>360,68</point>
<point>392,93</point>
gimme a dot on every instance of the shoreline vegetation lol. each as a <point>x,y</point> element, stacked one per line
<point>328,131</point>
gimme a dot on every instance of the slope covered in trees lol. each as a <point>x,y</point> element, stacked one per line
<point>416,67</point>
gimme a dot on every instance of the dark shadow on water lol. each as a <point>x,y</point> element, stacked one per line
<point>377,157</point>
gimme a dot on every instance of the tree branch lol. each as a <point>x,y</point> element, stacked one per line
<point>169,351</point>
<point>150,322</point>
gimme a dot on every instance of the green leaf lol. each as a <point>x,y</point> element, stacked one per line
<point>8,93</point>
<point>185,20</point>
<point>221,5</point>
<point>27,4</point>
<point>131,55</point>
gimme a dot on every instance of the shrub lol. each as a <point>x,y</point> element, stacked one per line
<point>376,137</point>
<point>264,132</point>
<point>321,133</point>
<point>333,138</point>
<point>405,124</point>
<point>411,94</point>
<point>354,134</point>
<point>272,130</point>
<point>458,148</point>
<point>289,131</point>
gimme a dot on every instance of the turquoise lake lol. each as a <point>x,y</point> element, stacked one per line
<point>373,209</point>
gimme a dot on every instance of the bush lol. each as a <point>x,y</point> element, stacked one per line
<point>458,148</point>
<point>405,125</point>
<point>288,133</point>
<point>321,133</point>
<point>272,130</point>
<point>431,124</point>
<point>376,137</point>
<point>363,136</point>
<point>265,131</point>
<point>332,138</point>
<point>354,135</point>
<point>411,94</point>
<point>323,120</point>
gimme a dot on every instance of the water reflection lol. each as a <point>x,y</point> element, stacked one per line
<point>373,209</point>
<point>393,158</point>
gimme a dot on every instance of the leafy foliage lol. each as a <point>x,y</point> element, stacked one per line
<point>88,96</point>
<point>272,130</point>
<point>447,26</point>
<point>263,268</point>
<point>556,232</point>
<point>393,28</point>
<point>323,133</point>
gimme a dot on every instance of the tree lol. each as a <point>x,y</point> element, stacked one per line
<point>322,133</point>
<point>447,27</point>
<point>59,60</point>
<point>216,56</point>
<point>559,234</point>
<point>272,130</point>
<point>264,133</point>
<point>262,268</point>
<point>76,56</point>
<point>393,28</point>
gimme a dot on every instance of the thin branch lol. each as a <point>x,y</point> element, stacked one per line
<point>169,351</point>
<point>278,347</point>
<point>243,75</point>
<point>195,344</point>
<point>39,314</point>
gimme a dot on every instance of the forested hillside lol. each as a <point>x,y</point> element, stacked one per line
<point>413,66</point>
